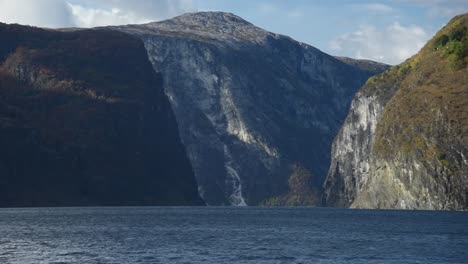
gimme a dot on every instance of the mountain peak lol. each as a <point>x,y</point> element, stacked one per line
<point>212,25</point>
<point>212,17</point>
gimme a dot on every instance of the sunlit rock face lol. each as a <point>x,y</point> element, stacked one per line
<point>351,150</point>
<point>404,143</point>
<point>250,103</point>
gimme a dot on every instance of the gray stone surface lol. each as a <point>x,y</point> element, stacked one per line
<point>249,103</point>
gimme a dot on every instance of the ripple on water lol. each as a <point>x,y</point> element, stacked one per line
<point>230,235</point>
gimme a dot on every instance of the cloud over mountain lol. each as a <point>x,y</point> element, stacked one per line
<point>46,13</point>
<point>392,45</point>
<point>87,13</point>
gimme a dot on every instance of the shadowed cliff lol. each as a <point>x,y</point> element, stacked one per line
<point>84,121</point>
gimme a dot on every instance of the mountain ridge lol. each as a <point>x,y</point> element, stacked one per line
<point>250,103</point>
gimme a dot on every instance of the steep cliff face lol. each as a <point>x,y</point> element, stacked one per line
<point>404,143</point>
<point>84,121</point>
<point>249,103</point>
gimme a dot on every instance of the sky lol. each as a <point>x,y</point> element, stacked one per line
<point>387,31</point>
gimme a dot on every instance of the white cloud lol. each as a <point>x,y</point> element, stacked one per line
<point>90,13</point>
<point>91,17</point>
<point>45,13</point>
<point>393,44</point>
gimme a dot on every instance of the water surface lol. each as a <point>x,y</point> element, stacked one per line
<point>231,235</point>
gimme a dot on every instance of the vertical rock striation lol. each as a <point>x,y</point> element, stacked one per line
<point>404,143</point>
<point>250,103</point>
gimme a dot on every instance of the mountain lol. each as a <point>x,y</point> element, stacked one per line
<point>251,105</point>
<point>84,121</point>
<point>404,143</point>
<point>366,65</point>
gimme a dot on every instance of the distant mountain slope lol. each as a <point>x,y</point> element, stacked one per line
<point>250,104</point>
<point>84,121</point>
<point>367,65</point>
<point>404,143</point>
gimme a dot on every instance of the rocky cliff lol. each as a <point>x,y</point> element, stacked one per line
<point>250,103</point>
<point>84,121</point>
<point>404,143</point>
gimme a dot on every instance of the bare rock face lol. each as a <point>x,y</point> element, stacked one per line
<point>351,150</point>
<point>404,143</point>
<point>249,103</point>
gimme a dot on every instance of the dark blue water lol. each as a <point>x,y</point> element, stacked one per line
<point>231,235</point>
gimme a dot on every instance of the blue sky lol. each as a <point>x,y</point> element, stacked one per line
<point>388,31</point>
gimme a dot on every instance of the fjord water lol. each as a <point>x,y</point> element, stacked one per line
<point>231,235</point>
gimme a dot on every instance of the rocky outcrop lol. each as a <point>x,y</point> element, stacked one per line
<point>250,103</point>
<point>404,143</point>
<point>84,121</point>
<point>352,147</point>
